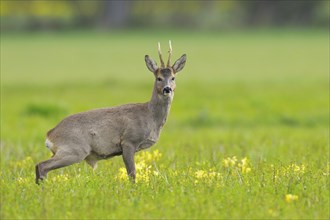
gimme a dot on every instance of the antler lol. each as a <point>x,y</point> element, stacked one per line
<point>160,56</point>
<point>169,54</point>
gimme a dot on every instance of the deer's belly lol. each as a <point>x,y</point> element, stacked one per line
<point>105,152</point>
<point>105,146</point>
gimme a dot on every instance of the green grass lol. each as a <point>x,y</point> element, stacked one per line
<point>262,95</point>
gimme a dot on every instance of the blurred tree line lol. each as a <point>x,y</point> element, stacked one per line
<point>44,14</point>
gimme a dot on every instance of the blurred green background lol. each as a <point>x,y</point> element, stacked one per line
<point>250,63</point>
<point>256,85</point>
<point>212,15</point>
<point>252,52</point>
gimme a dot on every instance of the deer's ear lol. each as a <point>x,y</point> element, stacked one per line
<point>151,64</point>
<point>179,64</point>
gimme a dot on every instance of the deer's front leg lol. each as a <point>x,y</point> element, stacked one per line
<point>128,157</point>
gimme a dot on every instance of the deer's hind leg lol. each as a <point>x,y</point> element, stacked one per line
<point>59,159</point>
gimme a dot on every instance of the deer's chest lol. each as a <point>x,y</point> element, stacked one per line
<point>150,138</point>
<point>145,144</point>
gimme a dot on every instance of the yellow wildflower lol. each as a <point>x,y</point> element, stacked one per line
<point>143,167</point>
<point>21,180</point>
<point>23,163</point>
<point>229,161</point>
<point>60,178</point>
<point>294,169</point>
<point>149,157</point>
<point>122,174</point>
<point>143,172</point>
<point>291,198</point>
<point>209,177</point>
<point>213,174</point>
<point>157,155</point>
<point>244,165</point>
<point>298,169</point>
<point>200,174</point>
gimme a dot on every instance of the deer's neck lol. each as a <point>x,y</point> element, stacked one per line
<point>159,107</point>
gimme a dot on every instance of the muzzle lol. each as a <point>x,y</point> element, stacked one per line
<point>167,91</point>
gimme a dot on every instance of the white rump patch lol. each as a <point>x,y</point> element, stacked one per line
<point>49,144</point>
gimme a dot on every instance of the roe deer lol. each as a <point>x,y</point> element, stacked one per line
<point>123,130</point>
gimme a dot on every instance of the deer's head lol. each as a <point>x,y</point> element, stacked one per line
<point>165,76</point>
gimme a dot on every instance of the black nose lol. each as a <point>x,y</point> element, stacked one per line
<point>167,90</point>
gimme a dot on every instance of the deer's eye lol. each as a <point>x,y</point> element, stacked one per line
<point>173,78</point>
<point>159,79</point>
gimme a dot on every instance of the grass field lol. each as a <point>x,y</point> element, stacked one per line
<point>247,136</point>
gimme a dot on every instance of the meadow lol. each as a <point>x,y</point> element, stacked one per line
<point>247,136</point>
